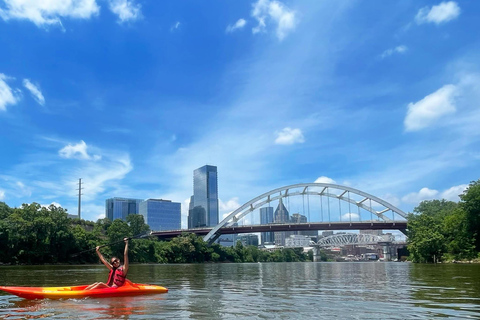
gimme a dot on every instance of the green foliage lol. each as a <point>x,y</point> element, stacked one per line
<point>445,230</point>
<point>470,202</point>
<point>34,234</point>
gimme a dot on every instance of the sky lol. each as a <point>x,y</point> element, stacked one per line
<point>133,95</point>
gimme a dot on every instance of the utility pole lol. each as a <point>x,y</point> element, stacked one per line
<point>79,196</point>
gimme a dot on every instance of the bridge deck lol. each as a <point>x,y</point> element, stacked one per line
<point>370,225</point>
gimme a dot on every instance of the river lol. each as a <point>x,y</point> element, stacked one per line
<point>330,290</point>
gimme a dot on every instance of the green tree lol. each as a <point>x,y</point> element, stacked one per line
<point>137,224</point>
<point>425,240</point>
<point>470,202</point>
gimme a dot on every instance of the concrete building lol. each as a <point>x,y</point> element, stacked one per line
<point>297,241</point>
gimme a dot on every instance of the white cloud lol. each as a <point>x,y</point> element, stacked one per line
<point>7,94</point>
<point>229,206</point>
<point>438,14</point>
<point>423,194</point>
<point>425,112</point>
<point>350,216</point>
<point>453,193</point>
<point>175,26</point>
<point>35,91</point>
<point>126,10</point>
<point>289,136</point>
<point>48,12</point>
<point>238,25</point>
<point>77,151</point>
<point>275,11</point>
<point>389,52</point>
<point>2,195</point>
<point>324,179</point>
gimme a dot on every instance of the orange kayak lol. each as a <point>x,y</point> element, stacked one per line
<point>128,289</point>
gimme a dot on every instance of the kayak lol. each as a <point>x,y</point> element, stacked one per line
<point>128,289</point>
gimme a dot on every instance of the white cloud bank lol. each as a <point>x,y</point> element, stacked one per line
<point>77,151</point>
<point>441,13</point>
<point>425,112</point>
<point>389,52</point>
<point>35,91</point>
<point>7,94</point>
<point>126,10</point>
<point>450,194</point>
<point>289,136</point>
<point>43,13</point>
<point>266,11</point>
<point>2,195</point>
<point>238,25</point>
<point>46,13</point>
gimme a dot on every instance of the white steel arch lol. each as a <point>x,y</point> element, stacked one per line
<point>306,189</point>
<point>338,240</point>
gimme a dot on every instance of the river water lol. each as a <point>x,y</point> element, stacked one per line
<point>330,290</point>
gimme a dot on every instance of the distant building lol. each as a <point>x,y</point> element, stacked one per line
<point>120,208</point>
<point>205,196</point>
<point>299,218</point>
<point>281,215</point>
<point>297,241</point>
<point>266,217</point>
<point>327,233</point>
<point>161,214</point>
<point>248,239</point>
<point>372,232</point>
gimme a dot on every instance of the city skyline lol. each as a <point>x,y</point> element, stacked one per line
<point>378,96</point>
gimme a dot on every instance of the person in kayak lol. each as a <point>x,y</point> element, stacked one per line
<point>118,272</point>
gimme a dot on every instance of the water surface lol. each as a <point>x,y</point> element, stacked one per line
<point>366,290</point>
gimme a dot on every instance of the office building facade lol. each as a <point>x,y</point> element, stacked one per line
<point>120,208</point>
<point>281,215</point>
<point>161,214</point>
<point>205,196</point>
<point>266,217</point>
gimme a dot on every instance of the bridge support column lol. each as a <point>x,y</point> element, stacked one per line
<point>386,251</point>
<point>316,254</point>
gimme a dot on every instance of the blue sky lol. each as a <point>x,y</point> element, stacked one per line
<point>132,96</point>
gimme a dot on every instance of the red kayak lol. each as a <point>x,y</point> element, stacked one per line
<point>128,289</point>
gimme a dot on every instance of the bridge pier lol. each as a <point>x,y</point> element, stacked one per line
<point>316,254</point>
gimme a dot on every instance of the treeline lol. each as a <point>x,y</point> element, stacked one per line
<point>441,230</point>
<point>34,234</point>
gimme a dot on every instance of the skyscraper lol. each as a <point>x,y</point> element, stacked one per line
<point>205,196</point>
<point>266,217</point>
<point>161,214</point>
<point>120,208</point>
<point>281,215</point>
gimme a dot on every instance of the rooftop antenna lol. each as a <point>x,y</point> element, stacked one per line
<point>79,196</point>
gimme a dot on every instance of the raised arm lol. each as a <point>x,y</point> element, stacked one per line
<point>105,262</point>
<point>125,257</point>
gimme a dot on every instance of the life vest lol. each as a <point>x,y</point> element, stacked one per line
<point>116,277</point>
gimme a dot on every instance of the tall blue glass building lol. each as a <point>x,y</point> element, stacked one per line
<point>120,208</point>
<point>161,214</point>
<point>205,197</point>
<point>266,217</point>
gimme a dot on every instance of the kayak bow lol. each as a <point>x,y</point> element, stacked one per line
<point>128,289</point>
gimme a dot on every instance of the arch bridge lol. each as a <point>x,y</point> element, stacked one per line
<point>319,204</point>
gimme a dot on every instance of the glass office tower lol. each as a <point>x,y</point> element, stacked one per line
<point>205,196</point>
<point>120,208</point>
<point>281,215</point>
<point>161,214</point>
<point>266,217</point>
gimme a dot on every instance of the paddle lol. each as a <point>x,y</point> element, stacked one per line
<point>138,236</point>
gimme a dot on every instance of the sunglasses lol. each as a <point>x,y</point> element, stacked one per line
<point>115,260</point>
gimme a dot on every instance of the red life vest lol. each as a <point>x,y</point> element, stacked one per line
<point>116,277</point>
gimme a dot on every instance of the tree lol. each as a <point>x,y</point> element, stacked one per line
<point>137,224</point>
<point>425,240</point>
<point>470,202</point>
